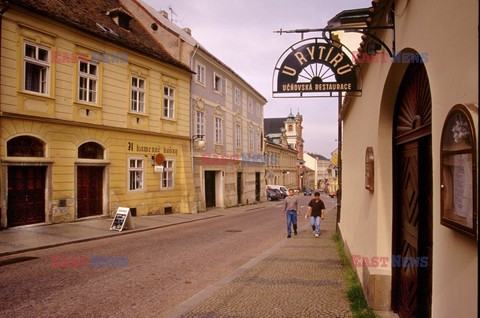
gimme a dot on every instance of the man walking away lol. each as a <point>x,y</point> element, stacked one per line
<point>316,209</point>
<point>291,211</point>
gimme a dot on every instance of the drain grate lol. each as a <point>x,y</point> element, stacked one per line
<point>17,260</point>
<point>233,231</point>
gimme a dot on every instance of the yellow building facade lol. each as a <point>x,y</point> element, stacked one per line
<point>85,122</point>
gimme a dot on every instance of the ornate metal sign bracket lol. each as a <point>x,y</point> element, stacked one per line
<point>362,30</point>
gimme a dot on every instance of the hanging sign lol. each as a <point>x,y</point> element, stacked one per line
<point>122,220</point>
<point>314,67</point>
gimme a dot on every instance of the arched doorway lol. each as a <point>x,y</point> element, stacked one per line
<point>90,180</point>
<point>26,182</point>
<point>412,195</point>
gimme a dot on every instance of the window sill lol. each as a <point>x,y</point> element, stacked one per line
<point>132,113</point>
<point>86,104</point>
<point>34,94</point>
<point>169,119</point>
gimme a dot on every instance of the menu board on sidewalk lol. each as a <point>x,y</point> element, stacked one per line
<point>122,220</point>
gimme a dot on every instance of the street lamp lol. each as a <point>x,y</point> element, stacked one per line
<point>201,142</point>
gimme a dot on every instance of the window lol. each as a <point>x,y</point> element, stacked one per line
<point>259,109</point>
<point>36,68</point>
<point>137,103</point>
<point>290,127</point>
<point>237,96</point>
<point>218,83</point>
<point>168,101</point>
<point>218,130</point>
<point>87,81</point>
<point>90,150</point>
<point>200,76</point>
<point>167,174</point>
<point>25,146</point>
<point>200,123</point>
<point>135,174</point>
<point>250,105</point>
<point>250,140</point>
<point>238,136</point>
<point>259,142</point>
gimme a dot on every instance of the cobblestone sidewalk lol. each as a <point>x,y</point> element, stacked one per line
<point>302,278</point>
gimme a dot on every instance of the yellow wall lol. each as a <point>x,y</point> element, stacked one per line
<point>64,123</point>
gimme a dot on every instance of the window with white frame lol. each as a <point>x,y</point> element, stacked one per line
<point>218,130</point>
<point>217,83</point>
<point>87,81</point>
<point>135,174</point>
<point>36,68</point>
<point>237,96</point>
<point>200,123</point>
<point>168,101</point>
<point>250,105</point>
<point>200,76</point>
<point>251,141</point>
<point>259,109</point>
<point>137,103</point>
<point>168,174</point>
<point>238,136</point>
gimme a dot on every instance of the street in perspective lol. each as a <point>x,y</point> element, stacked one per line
<point>239,159</point>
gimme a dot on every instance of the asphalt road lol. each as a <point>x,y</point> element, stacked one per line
<point>164,267</point>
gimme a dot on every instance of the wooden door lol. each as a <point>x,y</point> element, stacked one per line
<point>89,191</point>
<point>239,188</point>
<point>412,227</point>
<point>26,195</point>
<point>257,186</point>
<point>210,188</point>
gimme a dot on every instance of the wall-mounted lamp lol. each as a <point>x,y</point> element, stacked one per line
<point>201,142</point>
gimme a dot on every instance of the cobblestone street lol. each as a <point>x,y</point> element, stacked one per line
<point>303,277</point>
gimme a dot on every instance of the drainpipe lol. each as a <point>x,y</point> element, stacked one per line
<point>4,9</point>
<point>196,47</point>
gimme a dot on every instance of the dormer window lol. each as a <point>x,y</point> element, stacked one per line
<point>121,17</point>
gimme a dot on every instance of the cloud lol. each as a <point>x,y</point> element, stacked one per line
<point>240,34</point>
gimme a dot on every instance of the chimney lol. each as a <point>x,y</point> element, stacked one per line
<point>188,31</point>
<point>163,13</point>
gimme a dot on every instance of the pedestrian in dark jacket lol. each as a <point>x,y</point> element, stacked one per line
<point>316,210</point>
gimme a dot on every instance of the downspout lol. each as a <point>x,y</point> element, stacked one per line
<point>196,47</point>
<point>4,9</point>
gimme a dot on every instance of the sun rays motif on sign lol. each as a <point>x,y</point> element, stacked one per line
<point>316,73</point>
<point>316,67</point>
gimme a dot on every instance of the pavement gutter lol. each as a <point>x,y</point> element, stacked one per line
<point>111,234</point>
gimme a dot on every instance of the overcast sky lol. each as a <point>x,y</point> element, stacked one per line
<point>240,34</point>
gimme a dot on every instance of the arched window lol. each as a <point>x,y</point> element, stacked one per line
<point>458,173</point>
<point>90,150</point>
<point>25,146</point>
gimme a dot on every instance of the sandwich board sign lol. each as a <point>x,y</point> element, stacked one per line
<point>122,220</point>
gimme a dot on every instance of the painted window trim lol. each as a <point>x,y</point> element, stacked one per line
<point>88,77</point>
<point>30,60</point>
<point>202,124</point>
<point>168,170</point>
<point>129,169</point>
<point>203,79</point>
<point>139,90</point>
<point>220,133</point>
<point>169,98</point>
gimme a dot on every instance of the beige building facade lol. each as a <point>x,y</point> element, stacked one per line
<point>395,202</point>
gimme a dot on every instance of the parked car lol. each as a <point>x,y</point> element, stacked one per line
<point>307,191</point>
<point>281,188</point>
<point>273,194</point>
<point>333,194</point>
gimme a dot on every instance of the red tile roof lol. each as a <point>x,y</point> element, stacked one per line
<point>91,16</point>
